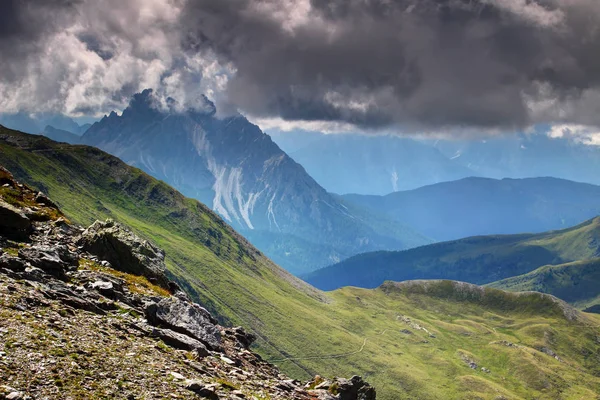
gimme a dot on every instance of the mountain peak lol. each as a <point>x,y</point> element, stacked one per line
<point>146,96</point>
<point>205,106</point>
<point>142,104</point>
<point>231,165</point>
<point>147,103</point>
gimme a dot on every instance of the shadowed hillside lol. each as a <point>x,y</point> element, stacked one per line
<point>479,259</point>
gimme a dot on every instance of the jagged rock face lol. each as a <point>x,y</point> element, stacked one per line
<point>180,341</point>
<point>20,206</point>
<point>229,164</point>
<point>55,260</point>
<point>15,224</point>
<point>125,251</point>
<point>354,388</point>
<point>73,327</point>
<point>185,317</point>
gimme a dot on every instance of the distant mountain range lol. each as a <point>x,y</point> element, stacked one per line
<point>479,260</point>
<point>42,123</point>
<point>483,206</point>
<point>61,135</point>
<point>353,163</point>
<point>236,169</point>
<point>378,165</point>
<point>525,156</point>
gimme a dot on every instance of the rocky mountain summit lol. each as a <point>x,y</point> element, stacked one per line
<point>240,173</point>
<point>91,313</point>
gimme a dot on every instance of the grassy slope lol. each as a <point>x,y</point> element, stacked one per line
<point>292,318</point>
<point>211,260</point>
<point>480,259</point>
<point>576,282</point>
<point>408,363</point>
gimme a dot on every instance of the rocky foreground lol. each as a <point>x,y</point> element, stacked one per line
<point>91,314</point>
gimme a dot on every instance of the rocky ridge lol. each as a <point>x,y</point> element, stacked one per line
<point>91,314</point>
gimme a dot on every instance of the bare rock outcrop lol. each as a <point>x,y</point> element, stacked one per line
<point>15,224</point>
<point>125,251</point>
<point>187,318</point>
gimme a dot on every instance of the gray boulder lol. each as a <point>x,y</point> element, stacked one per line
<point>14,396</point>
<point>125,251</point>
<point>187,318</point>
<point>105,288</point>
<point>12,263</point>
<point>201,389</point>
<point>55,260</point>
<point>15,224</point>
<point>244,339</point>
<point>355,388</point>
<point>180,341</point>
<point>42,199</point>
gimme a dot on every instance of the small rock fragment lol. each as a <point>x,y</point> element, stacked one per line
<point>228,360</point>
<point>14,396</point>
<point>202,390</point>
<point>177,376</point>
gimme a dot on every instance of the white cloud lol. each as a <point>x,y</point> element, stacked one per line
<point>383,65</point>
<point>267,124</point>
<point>580,133</point>
<point>530,11</point>
<point>113,50</point>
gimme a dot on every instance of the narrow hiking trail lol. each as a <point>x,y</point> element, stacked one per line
<point>401,318</point>
<point>330,356</point>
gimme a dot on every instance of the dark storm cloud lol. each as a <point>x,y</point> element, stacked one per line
<point>24,27</point>
<point>90,56</point>
<point>426,62</point>
<point>421,64</point>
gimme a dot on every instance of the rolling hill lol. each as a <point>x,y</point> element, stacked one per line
<point>435,340</point>
<point>479,259</point>
<point>576,282</point>
<point>483,206</point>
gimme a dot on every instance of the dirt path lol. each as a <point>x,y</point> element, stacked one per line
<point>330,356</point>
